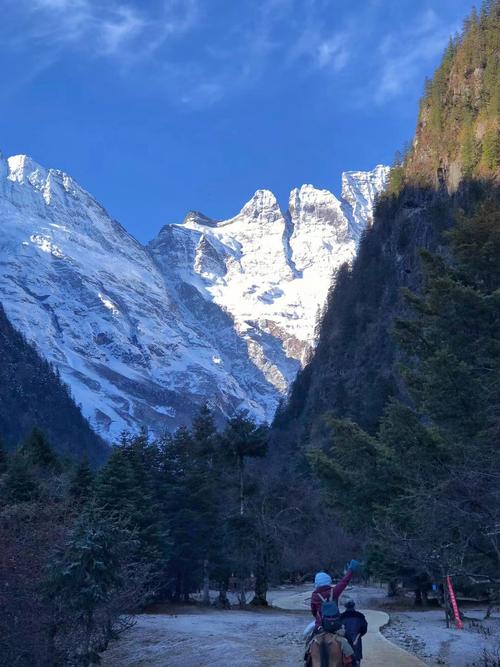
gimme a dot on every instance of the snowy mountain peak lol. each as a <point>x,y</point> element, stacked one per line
<point>359,191</point>
<point>197,218</point>
<point>262,207</point>
<point>210,311</point>
<point>22,167</point>
<point>364,184</point>
<point>307,201</point>
<point>48,183</point>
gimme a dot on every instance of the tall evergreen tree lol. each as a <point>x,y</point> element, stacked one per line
<point>210,474</point>
<point>81,483</point>
<point>126,487</point>
<point>243,439</point>
<point>37,450</point>
<point>205,435</point>
<point>18,484</point>
<point>85,574</point>
<point>190,506</point>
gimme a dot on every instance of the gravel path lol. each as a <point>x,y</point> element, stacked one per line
<point>378,651</point>
<point>270,638</point>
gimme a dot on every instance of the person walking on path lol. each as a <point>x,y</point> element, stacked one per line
<point>356,626</point>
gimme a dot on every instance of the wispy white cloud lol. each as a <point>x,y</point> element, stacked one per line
<point>237,50</point>
<point>121,28</point>
<point>333,52</point>
<point>321,47</point>
<point>402,55</point>
<point>115,29</point>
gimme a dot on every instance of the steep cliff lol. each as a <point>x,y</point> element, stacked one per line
<point>458,131</point>
<point>355,366</point>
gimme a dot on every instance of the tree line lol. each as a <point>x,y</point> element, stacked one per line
<point>83,549</point>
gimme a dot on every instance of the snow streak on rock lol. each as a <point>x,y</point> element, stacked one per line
<point>222,312</point>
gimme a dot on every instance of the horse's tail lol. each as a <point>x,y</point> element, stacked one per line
<point>324,652</point>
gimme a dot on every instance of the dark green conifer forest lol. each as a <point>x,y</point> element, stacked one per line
<point>82,550</point>
<point>398,410</point>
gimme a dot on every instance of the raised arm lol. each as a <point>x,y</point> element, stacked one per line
<point>340,587</point>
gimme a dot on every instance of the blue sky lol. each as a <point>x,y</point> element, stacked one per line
<point>161,106</point>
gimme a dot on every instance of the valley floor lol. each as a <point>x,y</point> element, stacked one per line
<point>196,637</point>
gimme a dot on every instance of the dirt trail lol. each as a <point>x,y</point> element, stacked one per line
<point>378,651</point>
<point>244,638</point>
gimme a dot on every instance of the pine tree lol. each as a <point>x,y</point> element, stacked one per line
<point>205,436</point>
<point>85,574</point>
<point>115,484</point>
<point>19,484</point>
<point>243,439</point>
<point>81,484</point>
<point>38,451</point>
<point>127,485</point>
<point>184,494</point>
<point>209,472</point>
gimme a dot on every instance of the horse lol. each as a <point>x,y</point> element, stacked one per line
<point>325,651</point>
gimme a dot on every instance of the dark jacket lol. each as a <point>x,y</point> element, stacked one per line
<point>327,592</point>
<point>355,624</point>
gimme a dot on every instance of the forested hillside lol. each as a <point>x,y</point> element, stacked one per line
<point>458,130</point>
<point>32,395</point>
<point>398,409</point>
<point>353,371</point>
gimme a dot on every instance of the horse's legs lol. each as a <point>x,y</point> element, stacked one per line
<point>324,651</point>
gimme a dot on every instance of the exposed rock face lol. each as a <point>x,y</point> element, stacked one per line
<point>458,129</point>
<point>222,312</point>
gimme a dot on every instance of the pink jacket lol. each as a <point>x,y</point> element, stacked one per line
<point>327,592</point>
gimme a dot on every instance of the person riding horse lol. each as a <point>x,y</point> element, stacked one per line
<point>324,590</point>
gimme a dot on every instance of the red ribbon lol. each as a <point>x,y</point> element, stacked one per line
<point>454,604</point>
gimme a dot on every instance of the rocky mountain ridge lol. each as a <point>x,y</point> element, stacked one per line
<point>216,311</point>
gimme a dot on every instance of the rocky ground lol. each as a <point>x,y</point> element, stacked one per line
<point>424,633</point>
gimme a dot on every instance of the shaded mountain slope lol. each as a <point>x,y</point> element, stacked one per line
<point>32,394</point>
<point>354,369</point>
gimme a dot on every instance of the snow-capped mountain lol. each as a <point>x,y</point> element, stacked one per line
<point>222,312</point>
